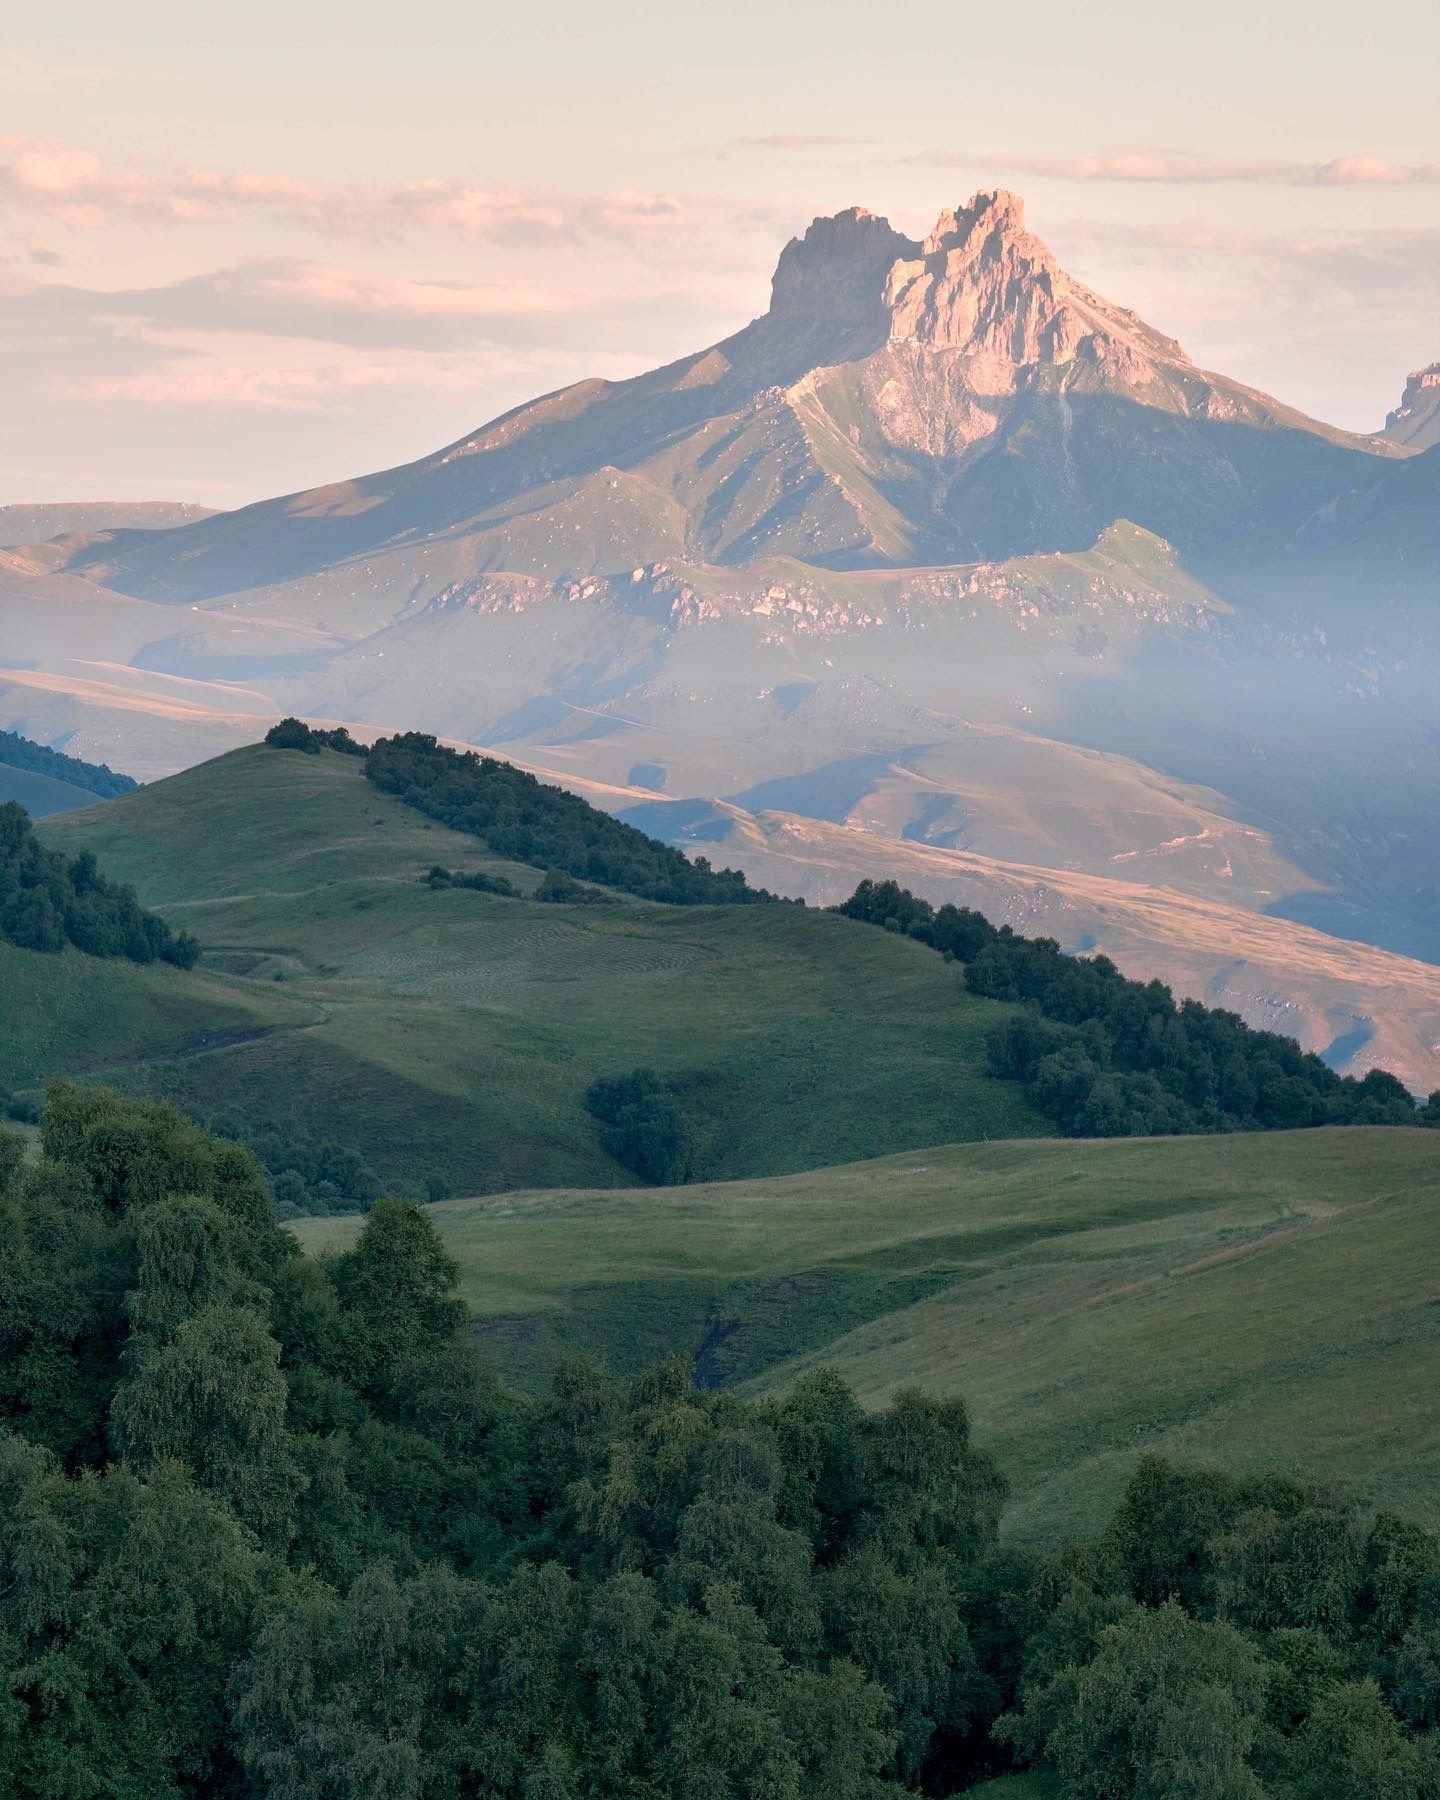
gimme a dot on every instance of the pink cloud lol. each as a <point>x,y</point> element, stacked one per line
<point>78,189</point>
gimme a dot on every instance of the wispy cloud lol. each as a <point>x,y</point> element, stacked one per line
<point>78,189</point>
<point>797,140</point>
<point>1187,168</point>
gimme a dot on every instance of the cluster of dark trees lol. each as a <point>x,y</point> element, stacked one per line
<point>295,734</point>
<point>643,1128</point>
<point>307,1175</point>
<point>1103,1056</point>
<point>40,759</point>
<point>479,882</point>
<point>271,1526</point>
<point>530,822</point>
<point>47,902</point>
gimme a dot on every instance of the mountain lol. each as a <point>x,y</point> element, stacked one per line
<point>32,524</point>
<point>939,494</point>
<point>1415,422</point>
<point>900,404</point>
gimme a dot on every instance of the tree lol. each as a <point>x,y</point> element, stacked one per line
<point>213,1399</point>
<point>398,1286</point>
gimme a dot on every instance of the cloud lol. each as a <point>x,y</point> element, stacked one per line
<point>1186,168</point>
<point>797,140</point>
<point>76,188</point>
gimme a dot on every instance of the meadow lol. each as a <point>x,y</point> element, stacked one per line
<point>1256,1300</point>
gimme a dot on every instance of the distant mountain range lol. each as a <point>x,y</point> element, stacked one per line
<point>943,551</point>
<point>22,524</point>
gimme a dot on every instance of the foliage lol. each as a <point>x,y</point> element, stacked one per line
<point>96,778</point>
<point>295,734</point>
<point>270,1526</point>
<point>643,1126</point>
<point>521,818</point>
<point>479,882</point>
<point>307,1175</point>
<point>47,903</point>
<point>1103,1056</point>
<point>560,889</point>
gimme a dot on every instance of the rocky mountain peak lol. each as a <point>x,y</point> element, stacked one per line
<point>1415,422</point>
<point>837,270</point>
<point>981,284</point>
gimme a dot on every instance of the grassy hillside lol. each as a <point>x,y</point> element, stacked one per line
<point>81,1014</point>
<point>1253,1299</point>
<point>41,794</point>
<point>454,1033</point>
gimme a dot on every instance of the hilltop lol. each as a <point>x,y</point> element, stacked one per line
<point>452,1034</point>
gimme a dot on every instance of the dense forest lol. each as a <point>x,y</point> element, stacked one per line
<point>273,1528</point>
<point>96,778</point>
<point>530,822</point>
<point>1104,1056</point>
<point>47,902</point>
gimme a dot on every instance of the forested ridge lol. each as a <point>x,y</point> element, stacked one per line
<point>39,759</point>
<point>271,1527</point>
<point>47,902</point>
<point>1105,1056</point>
<point>530,821</point>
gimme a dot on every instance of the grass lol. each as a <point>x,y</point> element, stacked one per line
<point>77,1014</point>
<point>1269,1299</point>
<point>454,1033</point>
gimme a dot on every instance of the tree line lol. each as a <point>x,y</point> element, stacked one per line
<point>531,822</point>
<point>1103,1056</point>
<point>47,902</point>
<point>272,1526</point>
<point>39,759</point>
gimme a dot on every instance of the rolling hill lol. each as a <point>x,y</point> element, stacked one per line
<point>453,1034</point>
<point>1255,1300</point>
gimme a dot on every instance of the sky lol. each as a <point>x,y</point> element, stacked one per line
<point>250,248</point>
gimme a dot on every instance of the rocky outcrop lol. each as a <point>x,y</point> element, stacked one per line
<point>1415,422</point>
<point>837,270</point>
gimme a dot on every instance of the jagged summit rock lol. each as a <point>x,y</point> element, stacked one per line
<point>838,269</point>
<point>1415,422</point>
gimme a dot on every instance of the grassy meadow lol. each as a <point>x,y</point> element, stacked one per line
<point>1266,1299</point>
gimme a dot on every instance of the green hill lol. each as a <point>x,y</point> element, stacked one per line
<point>39,794</point>
<point>1253,1299</point>
<point>453,1034</point>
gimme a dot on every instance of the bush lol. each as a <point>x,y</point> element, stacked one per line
<point>644,1130</point>
<point>295,734</point>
